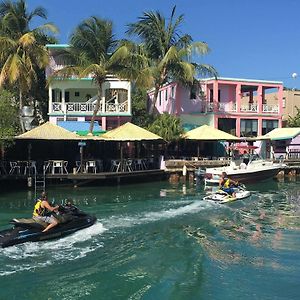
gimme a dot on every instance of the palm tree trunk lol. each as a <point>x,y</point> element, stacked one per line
<point>158,85</point>
<point>20,110</point>
<point>153,102</point>
<point>96,109</point>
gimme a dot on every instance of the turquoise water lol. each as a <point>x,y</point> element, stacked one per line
<point>161,241</point>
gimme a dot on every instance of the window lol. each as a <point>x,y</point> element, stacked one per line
<point>159,96</point>
<point>77,94</point>
<point>211,95</point>
<point>269,125</point>
<point>67,96</point>
<point>193,91</point>
<point>166,95</point>
<point>53,95</point>
<point>56,95</point>
<point>173,91</point>
<point>283,102</point>
<point>249,127</point>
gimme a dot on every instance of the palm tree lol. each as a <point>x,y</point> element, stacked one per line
<point>16,17</point>
<point>168,127</point>
<point>94,52</point>
<point>22,50</point>
<point>168,52</point>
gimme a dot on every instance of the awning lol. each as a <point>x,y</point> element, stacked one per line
<point>81,127</point>
<point>130,132</point>
<point>278,134</point>
<point>48,131</point>
<point>208,133</point>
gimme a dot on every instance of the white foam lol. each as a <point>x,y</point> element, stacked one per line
<point>77,237</point>
<point>128,221</point>
<point>67,248</point>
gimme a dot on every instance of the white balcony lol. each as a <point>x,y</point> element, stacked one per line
<point>88,108</point>
<point>227,107</point>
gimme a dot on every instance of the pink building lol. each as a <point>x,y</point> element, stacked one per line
<point>237,106</point>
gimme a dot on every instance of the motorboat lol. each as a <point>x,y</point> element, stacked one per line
<point>70,218</point>
<point>244,169</point>
<point>222,197</point>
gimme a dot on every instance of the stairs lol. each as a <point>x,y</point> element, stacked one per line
<point>39,182</point>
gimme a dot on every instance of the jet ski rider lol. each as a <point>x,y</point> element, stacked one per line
<point>41,212</point>
<point>227,185</point>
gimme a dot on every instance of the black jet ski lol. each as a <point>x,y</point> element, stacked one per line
<point>70,219</point>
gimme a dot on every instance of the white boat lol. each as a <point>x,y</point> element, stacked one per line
<point>244,169</point>
<point>221,196</point>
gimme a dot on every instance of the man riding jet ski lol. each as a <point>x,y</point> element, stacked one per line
<point>68,219</point>
<point>229,190</point>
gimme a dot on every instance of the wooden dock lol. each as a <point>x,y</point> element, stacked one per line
<point>80,179</point>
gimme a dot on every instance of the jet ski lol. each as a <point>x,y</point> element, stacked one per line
<point>70,220</point>
<point>222,197</point>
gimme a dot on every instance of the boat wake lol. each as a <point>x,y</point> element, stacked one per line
<point>68,248</point>
<point>129,221</point>
<point>36,255</point>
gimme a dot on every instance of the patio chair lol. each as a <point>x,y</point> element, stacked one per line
<point>30,168</point>
<point>115,165</point>
<point>14,168</point>
<point>91,165</point>
<point>139,164</point>
<point>58,165</point>
<point>128,165</point>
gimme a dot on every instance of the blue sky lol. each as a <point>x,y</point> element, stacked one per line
<point>255,39</point>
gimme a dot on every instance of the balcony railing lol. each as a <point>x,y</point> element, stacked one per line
<point>219,107</point>
<point>249,108</point>
<point>232,107</point>
<point>270,108</point>
<point>83,107</point>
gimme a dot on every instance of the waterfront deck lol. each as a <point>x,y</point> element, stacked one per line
<point>85,178</point>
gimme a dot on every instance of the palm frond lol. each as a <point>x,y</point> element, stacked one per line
<point>170,56</point>
<point>27,39</point>
<point>205,70</point>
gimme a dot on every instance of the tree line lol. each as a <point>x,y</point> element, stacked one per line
<point>162,54</point>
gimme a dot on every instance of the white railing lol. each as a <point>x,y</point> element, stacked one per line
<point>226,107</point>
<point>84,107</point>
<point>249,108</point>
<point>270,108</point>
<point>206,106</point>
